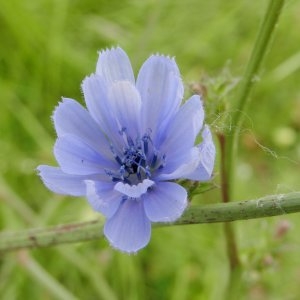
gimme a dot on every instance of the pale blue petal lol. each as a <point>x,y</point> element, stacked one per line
<point>101,108</point>
<point>134,191</point>
<point>161,90</point>
<point>71,118</point>
<point>125,106</point>
<point>181,166</point>
<point>165,202</point>
<point>113,65</point>
<point>95,95</point>
<point>76,157</point>
<point>183,129</point>
<point>60,182</point>
<point>128,229</point>
<point>102,197</point>
<point>207,157</point>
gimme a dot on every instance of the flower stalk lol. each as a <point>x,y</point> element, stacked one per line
<point>249,78</point>
<point>273,205</point>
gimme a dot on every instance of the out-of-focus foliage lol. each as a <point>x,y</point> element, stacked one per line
<point>48,47</point>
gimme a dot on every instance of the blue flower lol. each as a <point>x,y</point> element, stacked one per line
<point>126,149</point>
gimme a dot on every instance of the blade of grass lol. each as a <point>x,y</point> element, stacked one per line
<point>40,275</point>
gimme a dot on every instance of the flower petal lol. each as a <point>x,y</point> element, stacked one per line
<point>102,197</point>
<point>183,129</point>
<point>180,167</point>
<point>59,182</point>
<point>95,95</point>
<point>113,65</point>
<point>100,107</point>
<point>76,157</point>
<point>125,106</point>
<point>134,191</point>
<point>128,229</point>
<point>161,90</point>
<point>71,118</point>
<point>165,202</point>
<point>207,157</point>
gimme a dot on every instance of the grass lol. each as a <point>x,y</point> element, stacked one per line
<point>48,47</point>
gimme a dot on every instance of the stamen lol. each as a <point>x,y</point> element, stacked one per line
<point>116,157</point>
<point>147,171</point>
<point>146,138</point>
<point>122,130</point>
<point>122,171</point>
<point>134,165</point>
<point>163,162</point>
<point>138,174</point>
<point>154,159</point>
<point>114,177</point>
<point>145,143</point>
<point>130,141</point>
<point>126,180</point>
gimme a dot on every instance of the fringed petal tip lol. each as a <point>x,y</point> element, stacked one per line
<point>113,64</point>
<point>110,49</point>
<point>167,61</point>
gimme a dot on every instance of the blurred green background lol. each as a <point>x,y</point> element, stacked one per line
<point>48,47</point>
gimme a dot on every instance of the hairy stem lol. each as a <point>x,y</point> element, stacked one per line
<point>229,150</point>
<point>249,78</point>
<point>268,206</point>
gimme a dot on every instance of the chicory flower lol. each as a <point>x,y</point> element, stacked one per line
<point>126,149</point>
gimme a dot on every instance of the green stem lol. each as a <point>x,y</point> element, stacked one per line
<point>229,152</point>
<point>231,245</point>
<point>249,78</point>
<point>45,237</point>
<point>268,206</point>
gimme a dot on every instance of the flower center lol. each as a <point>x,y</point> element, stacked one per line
<point>137,160</point>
